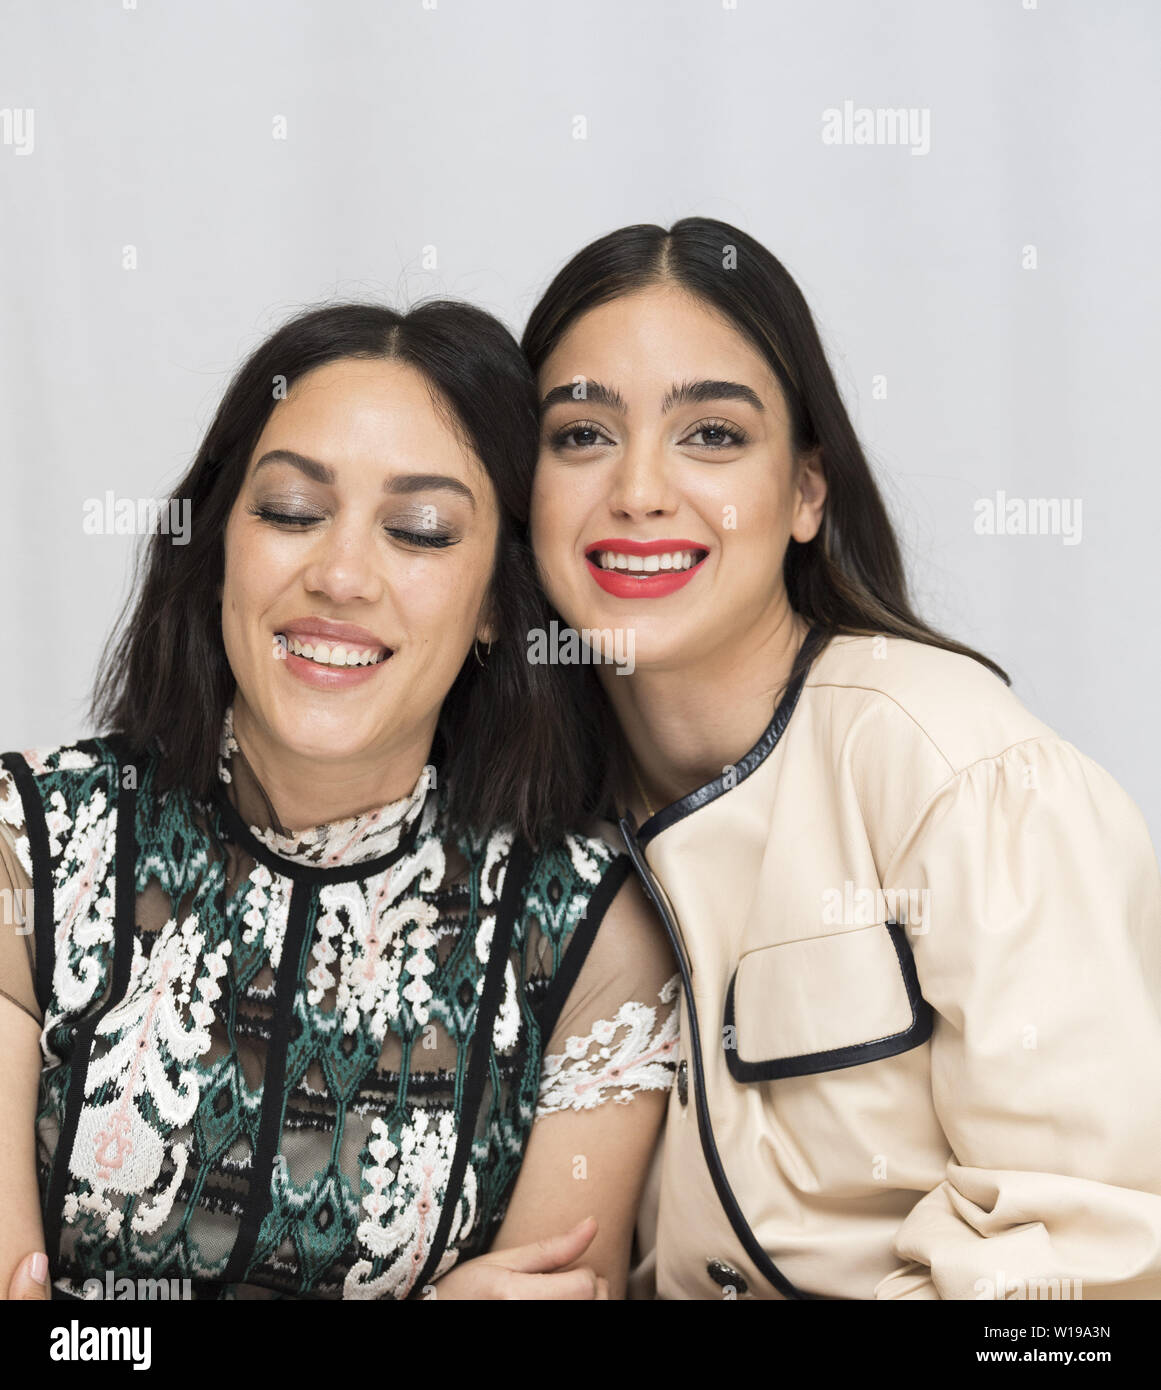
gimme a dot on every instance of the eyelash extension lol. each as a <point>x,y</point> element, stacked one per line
<point>283,518</point>
<point>430,539</point>
<point>561,437</point>
<point>735,435</point>
<point>424,538</point>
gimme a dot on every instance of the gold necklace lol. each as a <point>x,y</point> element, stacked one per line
<point>641,787</point>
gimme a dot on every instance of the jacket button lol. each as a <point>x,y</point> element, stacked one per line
<point>683,1082</point>
<point>726,1276</point>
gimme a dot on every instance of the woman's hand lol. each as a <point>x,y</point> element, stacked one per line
<point>529,1271</point>
<point>29,1280</point>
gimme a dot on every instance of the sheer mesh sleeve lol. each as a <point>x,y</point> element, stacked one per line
<point>618,1030</point>
<point>17,963</point>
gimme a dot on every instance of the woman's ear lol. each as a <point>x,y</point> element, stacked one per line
<point>809,497</point>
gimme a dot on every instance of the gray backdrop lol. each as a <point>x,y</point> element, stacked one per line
<point>991,262</point>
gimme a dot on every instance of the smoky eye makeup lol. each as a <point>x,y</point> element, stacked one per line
<point>420,525</point>
<point>287,511</point>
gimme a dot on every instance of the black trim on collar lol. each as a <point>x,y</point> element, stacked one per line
<point>240,833</point>
<point>854,1054</point>
<point>669,815</point>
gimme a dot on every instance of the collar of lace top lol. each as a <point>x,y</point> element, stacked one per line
<point>364,837</point>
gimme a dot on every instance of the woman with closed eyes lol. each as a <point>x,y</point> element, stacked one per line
<point>919,933</point>
<point>324,989</point>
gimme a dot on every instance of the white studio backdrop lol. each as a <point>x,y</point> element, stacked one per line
<point>178,176</point>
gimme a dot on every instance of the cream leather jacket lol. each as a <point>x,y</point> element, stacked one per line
<point>920,941</point>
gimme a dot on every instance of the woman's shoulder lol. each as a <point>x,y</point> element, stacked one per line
<point>42,773</point>
<point>77,755</point>
<point>910,696</point>
<point>578,861</point>
<point>928,736</point>
<point>50,786</point>
<point>556,879</point>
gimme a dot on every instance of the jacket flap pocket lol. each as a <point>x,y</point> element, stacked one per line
<point>823,1003</point>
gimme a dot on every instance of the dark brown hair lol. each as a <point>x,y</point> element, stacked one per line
<point>850,577</point>
<point>508,731</point>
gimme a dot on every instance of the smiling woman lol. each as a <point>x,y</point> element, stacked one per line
<point>326,986</point>
<point>883,1106</point>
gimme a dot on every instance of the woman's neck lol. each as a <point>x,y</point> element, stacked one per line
<point>685,726</point>
<point>307,792</point>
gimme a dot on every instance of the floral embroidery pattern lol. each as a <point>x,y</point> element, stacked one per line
<point>621,1055</point>
<point>116,1148</point>
<point>361,994</point>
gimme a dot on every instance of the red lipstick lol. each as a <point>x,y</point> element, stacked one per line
<point>639,583</point>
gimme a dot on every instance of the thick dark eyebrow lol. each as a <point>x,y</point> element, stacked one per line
<point>318,472</point>
<point>404,484</point>
<point>401,485</point>
<point>699,392</point>
<point>695,392</point>
<point>594,391</point>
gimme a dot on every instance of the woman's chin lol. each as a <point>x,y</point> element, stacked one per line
<point>311,730</point>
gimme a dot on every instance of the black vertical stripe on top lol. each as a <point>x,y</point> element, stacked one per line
<point>36,828</point>
<point>580,943</point>
<point>258,1196</point>
<point>124,928</point>
<point>515,876</point>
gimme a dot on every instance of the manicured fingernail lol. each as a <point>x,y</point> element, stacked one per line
<point>39,1267</point>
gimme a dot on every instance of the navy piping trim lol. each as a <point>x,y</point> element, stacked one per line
<point>669,815</point>
<point>761,1260</point>
<point>853,1054</point>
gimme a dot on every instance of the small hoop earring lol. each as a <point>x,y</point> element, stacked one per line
<point>476,649</point>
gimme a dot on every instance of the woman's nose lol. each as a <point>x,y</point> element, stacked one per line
<point>641,483</point>
<point>346,564</point>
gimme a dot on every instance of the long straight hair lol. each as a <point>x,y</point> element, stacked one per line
<point>850,577</point>
<point>509,733</point>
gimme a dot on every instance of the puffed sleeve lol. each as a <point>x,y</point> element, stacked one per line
<point>618,1029</point>
<point>1042,961</point>
<point>17,946</point>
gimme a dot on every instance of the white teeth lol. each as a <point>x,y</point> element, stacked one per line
<point>645,564</point>
<point>338,655</point>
